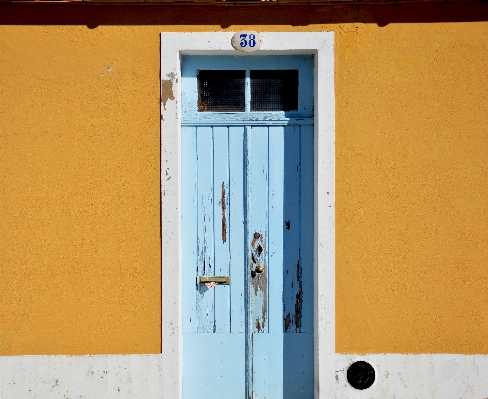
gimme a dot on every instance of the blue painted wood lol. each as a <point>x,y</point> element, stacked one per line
<point>267,346</point>
<point>307,223</point>
<point>275,246</point>
<point>213,366</point>
<point>290,266</point>
<point>238,180</point>
<point>267,366</point>
<point>210,353</point>
<point>298,366</point>
<point>220,225</point>
<point>206,266</point>
<point>292,288</point>
<point>298,372</point>
<point>189,227</point>
<point>257,245</point>
<point>257,226</point>
<point>236,228</point>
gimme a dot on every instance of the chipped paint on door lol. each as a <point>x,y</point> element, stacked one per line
<point>282,356</point>
<point>224,219</point>
<point>247,213</point>
<point>257,225</point>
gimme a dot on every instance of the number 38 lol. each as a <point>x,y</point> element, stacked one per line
<point>247,42</point>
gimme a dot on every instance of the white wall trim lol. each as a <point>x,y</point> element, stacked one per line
<point>142,377</point>
<point>173,45</point>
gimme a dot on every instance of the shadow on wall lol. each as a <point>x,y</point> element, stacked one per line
<point>95,15</point>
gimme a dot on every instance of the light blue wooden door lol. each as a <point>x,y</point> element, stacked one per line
<point>247,223</point>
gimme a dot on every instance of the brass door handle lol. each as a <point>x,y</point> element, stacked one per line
<point>214,279</point>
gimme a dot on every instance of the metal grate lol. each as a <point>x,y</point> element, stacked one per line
<point>221,91</point>
<point>274,90</point>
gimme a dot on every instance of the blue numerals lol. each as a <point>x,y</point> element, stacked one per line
<point>245,42</point>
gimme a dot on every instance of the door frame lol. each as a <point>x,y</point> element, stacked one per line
<point>173,46</point>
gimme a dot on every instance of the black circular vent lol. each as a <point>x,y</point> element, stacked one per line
<point>360,375</point>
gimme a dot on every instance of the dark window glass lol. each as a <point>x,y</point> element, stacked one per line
<point>221,91</point>
<point>274,90</point>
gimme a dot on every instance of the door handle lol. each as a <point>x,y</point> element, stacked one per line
<point>213,279</point>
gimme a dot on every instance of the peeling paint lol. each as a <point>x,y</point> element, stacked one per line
<point>224,221</point>
<point>166,91</point>
<point>257,282</point>
<point>260,280</point>
<point>299,299</point>
<point>287,322</point>
<point>265,299</point>
<point>259,249</point>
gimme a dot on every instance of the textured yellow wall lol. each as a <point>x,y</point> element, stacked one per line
<point>412,189</point>
<point>79,174</point>
<point>79,168</point>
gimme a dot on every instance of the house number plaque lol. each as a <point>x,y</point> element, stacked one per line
<point>247,41</point>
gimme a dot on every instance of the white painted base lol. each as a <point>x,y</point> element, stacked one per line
<point>411,377</point>
<point>71,377</point>
<point>141,376</point>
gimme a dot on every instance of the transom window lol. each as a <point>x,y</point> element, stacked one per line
<point>262,90</point>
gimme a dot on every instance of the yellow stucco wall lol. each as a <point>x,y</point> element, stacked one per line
<point>79,174</point>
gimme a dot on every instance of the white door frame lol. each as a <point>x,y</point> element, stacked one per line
<point>397,375</point>
<point>173,45</point>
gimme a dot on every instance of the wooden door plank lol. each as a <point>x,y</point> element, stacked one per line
<point>220,226</point>
<point>292,268</point>
<point>276,229</point>
<point>205,297</point>
<point>298,371</point>
<point>257,210</point>
<point>268,347</point>
<point>307,225</point>
<point>236,228</point>
<point>188,228</point>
